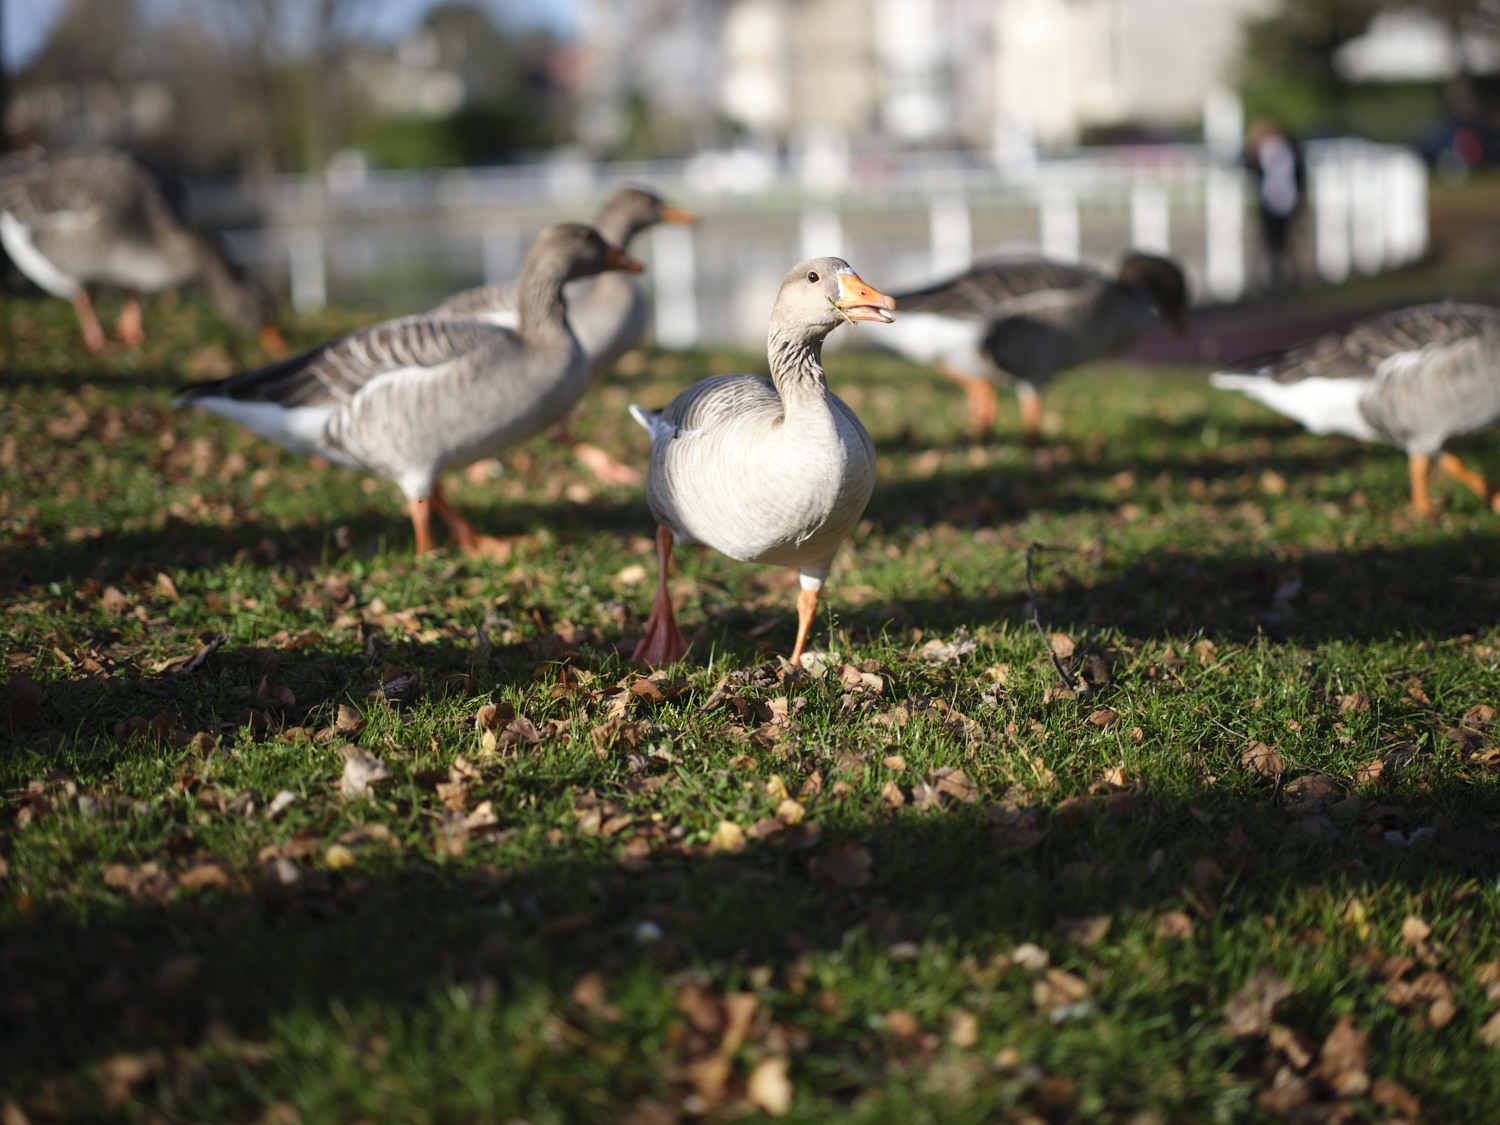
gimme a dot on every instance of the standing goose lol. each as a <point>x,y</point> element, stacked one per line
<point>774,471</point>
<point>607,312</point>
<point>1018,322</point>
<point>1412,378</point>
<point>97,216</point>
<point>409,398</point>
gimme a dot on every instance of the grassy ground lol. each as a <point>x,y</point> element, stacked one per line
<point>1246,870</point>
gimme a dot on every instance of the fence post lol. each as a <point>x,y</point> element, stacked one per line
<point>674,276</point>
<point>1224,218</point>
<point>821,234</point>
<point>1367,212</point>
<point>949,235</point>
<point>1330,182</point>
<point>1060,235</point>
<point>309,282</point>
<point>1150,219</point>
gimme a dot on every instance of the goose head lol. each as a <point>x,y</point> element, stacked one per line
<point>575,250</point>
<point>1160,279</point>
<point>246,306</point>
<point>630,210</point>
<point>821,293</point>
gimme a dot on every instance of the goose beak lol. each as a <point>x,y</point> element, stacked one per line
<point>617,259</point>
<point>1179,319</point>
<point>271,341</point>
<point>861,302</point>
<point>670,214</point>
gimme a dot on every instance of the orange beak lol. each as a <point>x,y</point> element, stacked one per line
<point>670,214</point>
<point>617,259</point>
<point>271,341</point>
<point>861,302</point>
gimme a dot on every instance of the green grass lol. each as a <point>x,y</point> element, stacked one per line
<point>1224,577</point>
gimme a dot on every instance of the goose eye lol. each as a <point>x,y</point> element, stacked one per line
<point>812,276</point>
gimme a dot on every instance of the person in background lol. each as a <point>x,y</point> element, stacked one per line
<point>1280,179</point>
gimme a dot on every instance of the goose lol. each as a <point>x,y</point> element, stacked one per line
<point>607,312</point>
<point>1016,322</point>
<point>1411,378</point>
<point>774,471</point>
<point>409,398</point>
<point>98,216</point>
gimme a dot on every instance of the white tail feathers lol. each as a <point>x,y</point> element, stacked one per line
<point>650,420</point>
<point>1323,406</point>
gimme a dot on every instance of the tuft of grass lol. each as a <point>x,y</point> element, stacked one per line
<point>542,916</point>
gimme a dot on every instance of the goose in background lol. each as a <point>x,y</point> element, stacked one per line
<point>607,312</point>
<point>407,399</point>
<point>73,219</point>
<point>1411,378</point>
<point>774,471</point>
<point>1017,322</point>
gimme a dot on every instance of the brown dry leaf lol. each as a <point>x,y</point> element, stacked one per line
<point>790,811</point>
<point>1344,1056</point>
<point>1250,1010</point>
<point>1062,644</point>
<point>1118,776</point>
<point>769,1089</point>
<point>891,796</point>
<point>1058,989</point>
<point>590,993</point>
<point>1103,718</point>
<point>635,855</point>
<point>1489,1034</point>
<point>361,772</point>
<point>454,795</point>
<point>812,787</point>
<point>739,1013</point>
<point>963,1030</point>
<point>1315,789</point>
<point>119,1076</point>
<point>1297,1048</point>
<point>1087,931</point>
<point>1389,1092</point>
<point>338,857</point>
<point>1370,771</point>
<point>1173,925</point>
<point>1487,973</point>
<point>776,788</point>
<point>1479,714</point>
<point>204,875</point>
<point>1414,930</point>
<point>1441,1013</point>
<point>1427,988</point>
<point>845,865</point>
<point>1415,692</point>
<point>894,762</point>
<point>727,837</point>
<point>349,721</point>
<point>902,1024</point>
<point>954,785</point>
<point>1262,760</point>
<point>615,734</point>
<point>1356,704</point>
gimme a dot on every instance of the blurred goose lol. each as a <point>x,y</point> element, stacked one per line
<point>97,216</point>
<point>1017,322</point>
<point>607,312</point>
<point>774,471</point>
<point>408,398</point>
<point>1412,378</point>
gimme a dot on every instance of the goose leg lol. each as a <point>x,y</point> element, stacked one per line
<point>128,327</point>
<point>421,523</point>
<point>1467,477</point>
<point>604,467</point>
<point>979,394</point>
<point>470,541</point>
<point>807,612</point>
<point>662,641</point>
<point>88,320</point>
<point>1419,465</point>
<point>1031,411</point>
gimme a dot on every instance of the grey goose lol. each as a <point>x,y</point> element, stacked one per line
<point>97,216</point>
<point>1018,321</point>
<point>1411,378</point>
<point>407,399</point>
<point>607,312</point>
<point>774,471</point>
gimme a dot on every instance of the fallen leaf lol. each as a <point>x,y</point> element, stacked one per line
<point>727,837</point>
<point>1086,931</point>
<point>844,864</point>
<point>1030,956</point>
<point>1313,790</point>
<point>1250,1010</point>
<point>1103,718</point>
<point>902,1024</point>
<point>790,811</point>
<point>943,652</point>
<point>1062,644</point>
<point>119,1076</point>
<point>1489,1034</point>
<point>590,993</point>
<point>617,733</point>
<point>283,800</point>
<point>338,857</point>
<point>1173,925</point>
<point>769,1089</point>
<point>361,771</point>
<point>895,763</point>
<point>1355,704</point>
<point>1297,1048</point>
<point>891,796</point>
<point>1370,771</point>
<point>349,721</point>
<point>1343,1059</point>
<point>1262,760</point>
<point>963,1030</point>
<point>1058,989</point>
<point>204,875</point>
<point>1388,1092</point>
<point>1414,930</point>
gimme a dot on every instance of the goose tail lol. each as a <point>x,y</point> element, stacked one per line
<point>1236,380</point>
<point>650,420</point>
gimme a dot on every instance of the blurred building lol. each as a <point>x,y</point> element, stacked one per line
<point>834,75</point>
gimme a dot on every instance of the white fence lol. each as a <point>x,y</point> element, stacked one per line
<point>402,241</point>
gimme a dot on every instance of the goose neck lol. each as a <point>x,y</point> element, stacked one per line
<point>797,369</point>
<point>539,303</point>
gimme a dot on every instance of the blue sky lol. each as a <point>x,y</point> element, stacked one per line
<point>27,22</point>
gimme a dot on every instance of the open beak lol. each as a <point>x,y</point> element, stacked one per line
<point>860,302</point>
<point>617,259</point>
<point>670,214</point>
<point>1179,319</point>
<point>271,341</point>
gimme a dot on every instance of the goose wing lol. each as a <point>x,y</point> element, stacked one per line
<point>330,376</point>
<point>495,302</point>
<point>1450,384</point>
<point>982,293</point>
